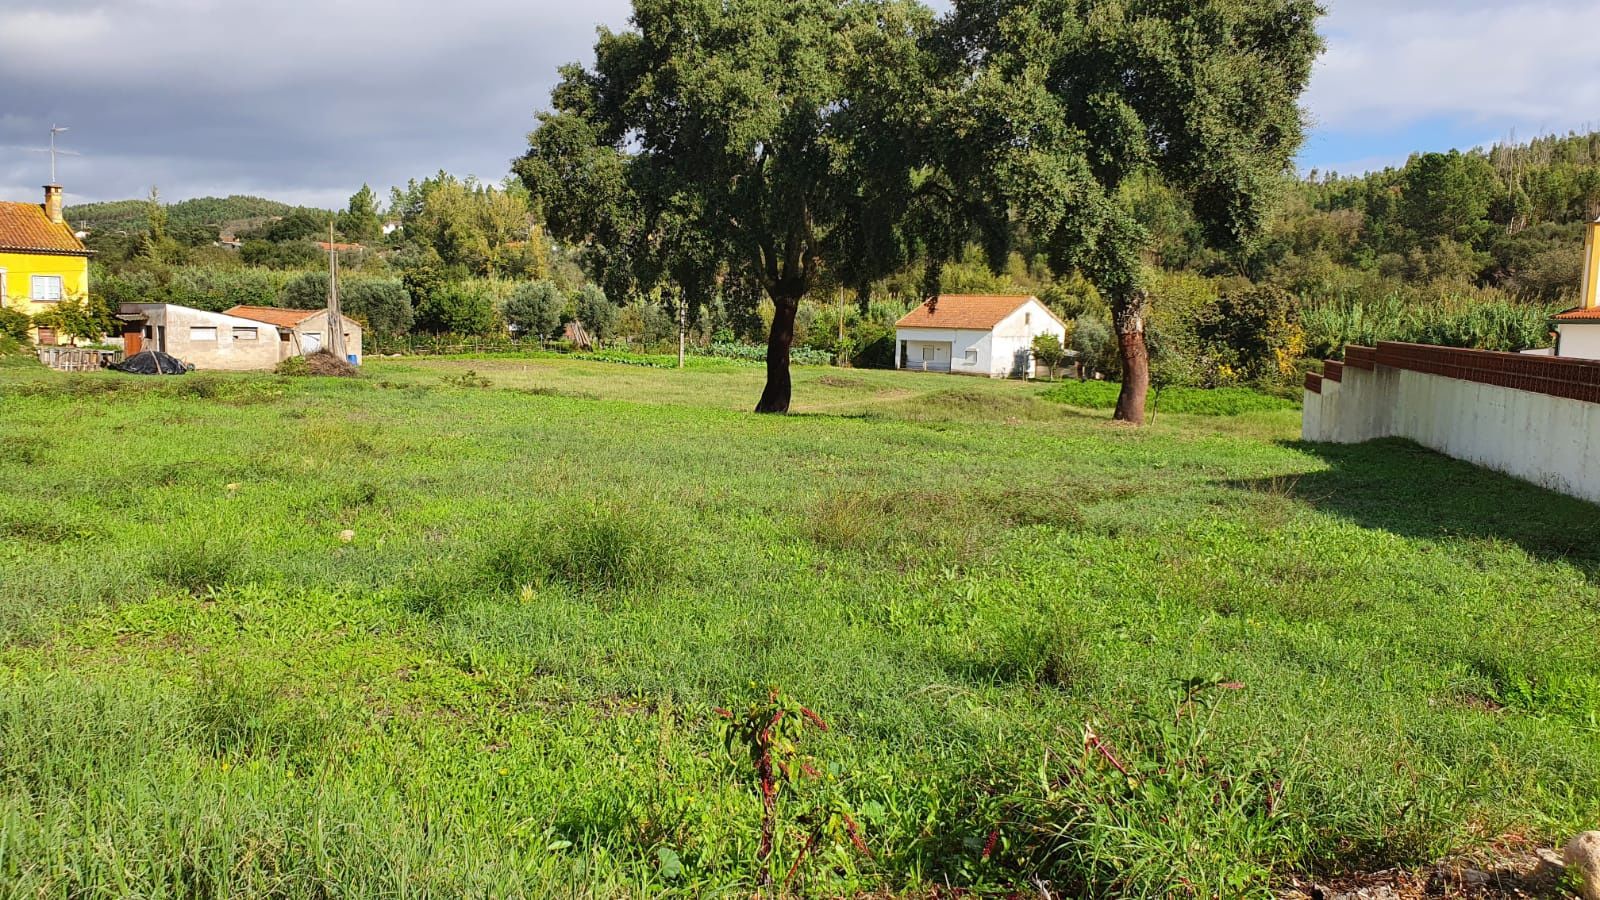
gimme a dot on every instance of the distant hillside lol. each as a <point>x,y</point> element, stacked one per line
<point>129,215</point>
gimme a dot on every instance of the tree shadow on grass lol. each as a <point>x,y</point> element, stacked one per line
<point>1404,488</point>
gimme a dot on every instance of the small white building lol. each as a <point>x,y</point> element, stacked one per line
<point>974,335</point>
<point>1578,329</point>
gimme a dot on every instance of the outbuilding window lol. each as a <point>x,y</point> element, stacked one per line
<point>972,357</point>
<point>246,334</point>
<point>46,288</point>
<point>202,333</point>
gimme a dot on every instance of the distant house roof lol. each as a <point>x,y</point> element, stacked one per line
<point>342,248</point>
<point>272,315</point>
<point>970,311</point>
<point>1591,314</point>
<point>24,228</point>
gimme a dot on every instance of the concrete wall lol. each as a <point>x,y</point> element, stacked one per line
<point>180,331</point>
<point>316,328</point>
<point>1549,440</point>
<point>1580,340</point>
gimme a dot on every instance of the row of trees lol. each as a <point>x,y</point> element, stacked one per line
<point>782,142</point>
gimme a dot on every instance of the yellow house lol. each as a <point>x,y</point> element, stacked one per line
<point>42,262</point>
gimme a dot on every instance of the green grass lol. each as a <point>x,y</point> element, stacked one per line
<point>1308,659</point>
<point>1231,401</point>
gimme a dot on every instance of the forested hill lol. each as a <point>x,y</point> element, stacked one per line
<point>201,212</point>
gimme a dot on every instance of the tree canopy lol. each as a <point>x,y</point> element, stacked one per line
<point>718,136</point>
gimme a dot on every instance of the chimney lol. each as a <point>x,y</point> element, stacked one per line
<point>52,203</point>
<point>1590,295</point>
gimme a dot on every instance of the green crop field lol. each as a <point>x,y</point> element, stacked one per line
<point>432,633</point>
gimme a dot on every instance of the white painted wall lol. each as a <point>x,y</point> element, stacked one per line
<point>1580,340</point>
<point>1550,441</point>
<point>171,329</point>
<point>993,353</point>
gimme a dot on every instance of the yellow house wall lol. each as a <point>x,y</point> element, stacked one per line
<point>19,269</point>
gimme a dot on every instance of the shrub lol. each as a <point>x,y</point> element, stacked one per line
<point>596,311</point>
<point>306,291</point>
<point>382,303</point>
<point>219,289</point>
<point>459,308</point>
<point>534,309</point>
<point>14,325</point>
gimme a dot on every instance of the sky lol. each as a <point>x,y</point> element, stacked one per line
<point>306,100</point>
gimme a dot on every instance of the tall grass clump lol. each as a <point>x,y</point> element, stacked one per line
<point>590,546</point>
<point>197,566</point>
<point>1474,318</point>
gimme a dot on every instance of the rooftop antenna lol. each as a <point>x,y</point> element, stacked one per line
<point>55,130</point>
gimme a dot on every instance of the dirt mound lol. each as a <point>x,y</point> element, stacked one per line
<point>320,363</point>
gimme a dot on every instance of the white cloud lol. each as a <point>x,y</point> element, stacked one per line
<point>1529,64</point>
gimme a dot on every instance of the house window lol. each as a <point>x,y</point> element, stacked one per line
<point>46,288</point>
<point>1027,318</point>
<point>246,334</point>
<point>3,294</point>
<point>972,357</point>
<point>202,333</point>
<point>929,354</point>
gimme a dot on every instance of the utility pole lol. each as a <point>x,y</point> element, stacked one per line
<point>335,341</point>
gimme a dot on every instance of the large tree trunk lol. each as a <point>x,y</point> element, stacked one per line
<point>1127,316</point>
<point>775,399</point>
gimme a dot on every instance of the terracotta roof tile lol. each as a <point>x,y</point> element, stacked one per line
<point>1592,314</point>
<point>24,228</point>
<point>963,311</point>
<point>272,315</point>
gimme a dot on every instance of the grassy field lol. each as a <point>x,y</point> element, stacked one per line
<point>432,633</point>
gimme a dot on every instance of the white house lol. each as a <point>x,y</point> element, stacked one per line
<point>974,335</point>
<point>1578,330</point>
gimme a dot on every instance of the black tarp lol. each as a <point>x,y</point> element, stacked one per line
<point>152,362</point>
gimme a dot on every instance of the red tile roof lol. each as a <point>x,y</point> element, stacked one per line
<point>272,315</point>
<point>963,311</point>
<point>24,228</point>
<point>1591,314</point>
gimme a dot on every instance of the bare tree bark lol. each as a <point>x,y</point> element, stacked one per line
<point>1127,316</point>
<point>775,398</point>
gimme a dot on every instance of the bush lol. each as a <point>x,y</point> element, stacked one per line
<point>306,291</point>
<point>459,308</point>
<point>219,289</point>
<point>534,309</point>
<point>15,325</point>
<point>382,303</point>
<point>596,311</point>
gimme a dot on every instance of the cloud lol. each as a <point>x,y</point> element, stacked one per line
<point>308,99</point>
<point>1519,65</point>
<point>303,99</point>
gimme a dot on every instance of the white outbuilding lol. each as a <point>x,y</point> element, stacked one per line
<point>974,335</point>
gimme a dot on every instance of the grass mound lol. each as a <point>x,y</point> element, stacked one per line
<point>1181,400</point>
<point>592,546</point>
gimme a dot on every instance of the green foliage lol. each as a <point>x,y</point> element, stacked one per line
<point>589,546</point>
<point>15,324</point>
<point>535,309</point>
<point>1443,315</point>
<point>132,215</point>
<point>217,289</point>
<point>382,304</point>
<point>360,222</point>
<point>456,308</point>
<point>291,255</point>
<point>306,291</point>
<point>1048,349</point>
<point>475,226</point>
<point>1250,334</point>
<point>80,318</point>
<point>596,311</point>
